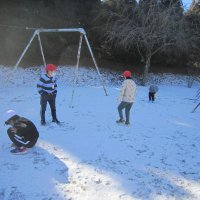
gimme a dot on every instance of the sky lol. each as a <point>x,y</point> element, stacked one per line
<point>187,3</point>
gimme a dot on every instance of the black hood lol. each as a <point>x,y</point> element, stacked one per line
<point>13,119</point>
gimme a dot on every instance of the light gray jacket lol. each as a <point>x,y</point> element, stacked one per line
<point>128,91</point>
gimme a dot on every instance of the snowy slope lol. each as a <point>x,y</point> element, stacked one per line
<point>89,157</point>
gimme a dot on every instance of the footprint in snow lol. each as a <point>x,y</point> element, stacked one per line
<point>15,194</point>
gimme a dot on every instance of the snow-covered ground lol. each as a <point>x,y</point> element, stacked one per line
<point>89,157</point>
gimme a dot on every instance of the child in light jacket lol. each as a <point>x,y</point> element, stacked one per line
<point>126,98</point>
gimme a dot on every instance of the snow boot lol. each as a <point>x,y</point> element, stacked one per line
<point>43,122</point>
<point>54,117</point>
<point>127,123</point>
<point>56,121</point>
<point>19,150</point>
<point>120,121</point>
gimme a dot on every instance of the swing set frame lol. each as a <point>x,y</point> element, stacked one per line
<point>82,35</point>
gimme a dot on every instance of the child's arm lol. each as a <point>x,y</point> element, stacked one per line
<point>40,85</point>
<point>122,91</point>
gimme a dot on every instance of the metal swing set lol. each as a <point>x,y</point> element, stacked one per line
<point>197,98</point>
<point>82,35</point>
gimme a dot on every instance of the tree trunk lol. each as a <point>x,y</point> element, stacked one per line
<point>146,70</point>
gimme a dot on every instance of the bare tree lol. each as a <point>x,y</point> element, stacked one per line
<point>194,4</point>
<point>146,26</point>
<point>193,20</point>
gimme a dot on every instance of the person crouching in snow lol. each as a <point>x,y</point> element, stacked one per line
<point>126,97</point>
<point>47,88</point>
<point>22,132</point>
<point>152,91</point>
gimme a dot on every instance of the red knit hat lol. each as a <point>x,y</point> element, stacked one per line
<point>51,67</point>
<point>127,74</point>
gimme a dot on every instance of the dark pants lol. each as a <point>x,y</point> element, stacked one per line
<point>51,99</point>
<point>20,141</point>
<point>127,107</point>
<point>151,96</point>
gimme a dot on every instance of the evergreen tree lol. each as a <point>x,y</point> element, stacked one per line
<point>168,3</point>
<point>117,3</point>
<point>176,4</point>
<point>193,18</point>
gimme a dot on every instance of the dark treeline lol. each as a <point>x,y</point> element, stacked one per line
<point>16,15</point>
<point>152,31</point>
<point>144,33</point>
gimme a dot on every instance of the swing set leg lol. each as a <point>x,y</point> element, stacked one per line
<point>196,107</point>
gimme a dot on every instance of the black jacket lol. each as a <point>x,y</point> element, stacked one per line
<point>24,128</point>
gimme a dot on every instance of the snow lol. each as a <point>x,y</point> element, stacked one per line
<point>89,157</point>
